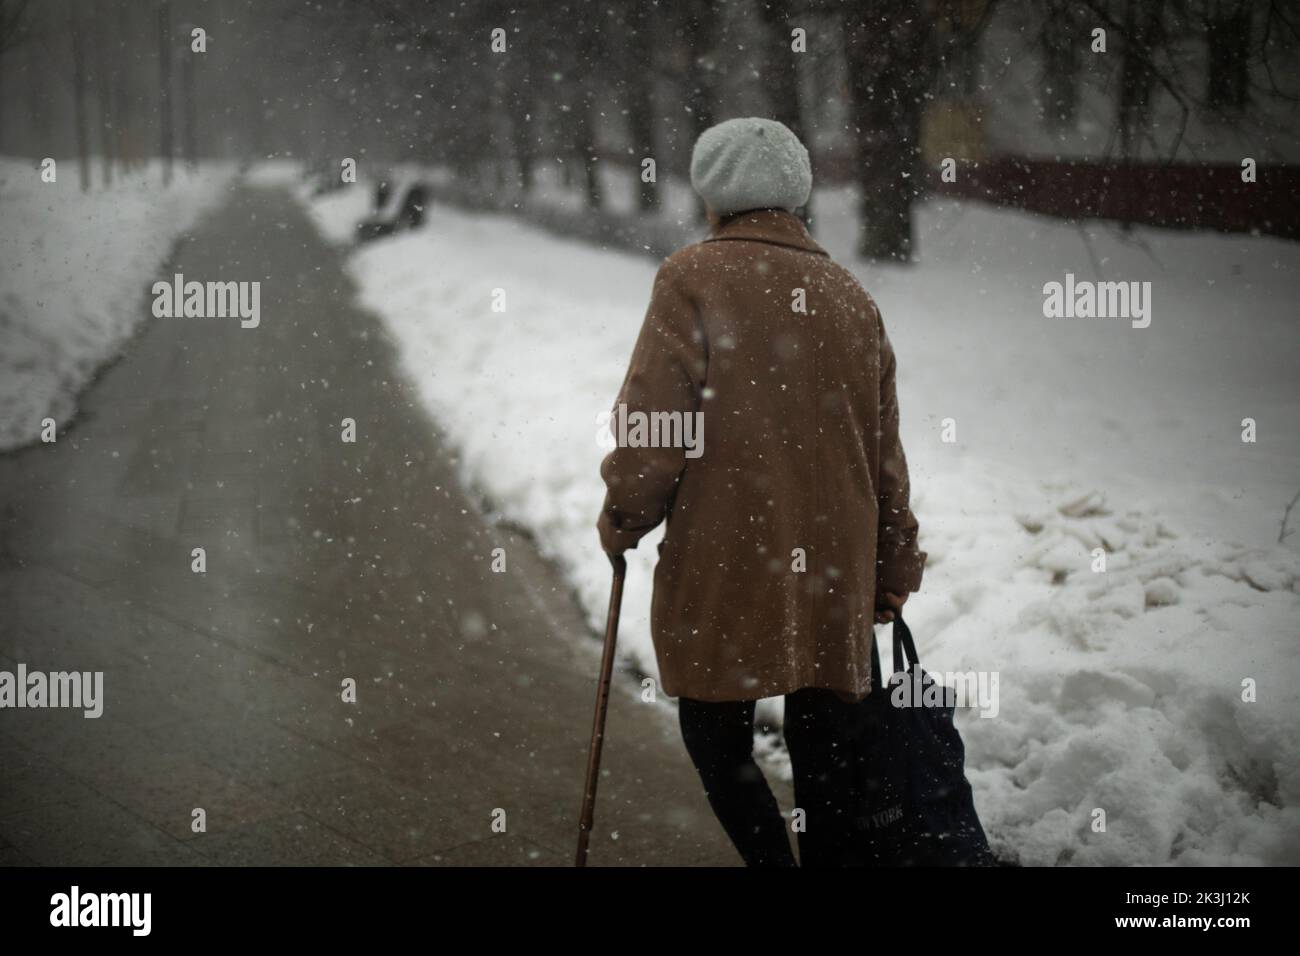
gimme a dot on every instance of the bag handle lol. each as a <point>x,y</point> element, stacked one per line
<point>903,636</point>
<point>905,656</point>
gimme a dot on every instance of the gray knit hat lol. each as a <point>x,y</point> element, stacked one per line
<point>750,163</point>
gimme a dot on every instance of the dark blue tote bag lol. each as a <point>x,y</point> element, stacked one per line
<point>916,805</point>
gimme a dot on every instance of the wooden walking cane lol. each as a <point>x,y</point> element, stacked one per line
<point>602,706</point>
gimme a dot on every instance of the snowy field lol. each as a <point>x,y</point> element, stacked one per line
<point>1120,690</point>
<point>75,272</point>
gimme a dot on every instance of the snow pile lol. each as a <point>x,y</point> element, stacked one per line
<point>278,171</point>
<point>75,273</point>
<point>337,213</point>
<point>1120,690</point>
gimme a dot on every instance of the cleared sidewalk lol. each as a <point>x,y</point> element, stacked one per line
<point>324,561</point>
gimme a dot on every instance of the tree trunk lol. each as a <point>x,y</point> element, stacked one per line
<point>890,59</point>
<point>521,136</point>
<point>189,131</point>
<point>254,130</point>
<point>79,97</point>
<point>782,75</point>
<point>701,81</point>
<point>104,97</point>
<point>585,71</point>
<point>121,119</point>
<point>1227,42</point>
<point>520,105</point>
<point>1062,44</point>
<point>639,87</point>
<point>13,23</point>
<point>584,142</point>
<point>701,30</point>
<point>1142,26</point>
<point>165,147</point>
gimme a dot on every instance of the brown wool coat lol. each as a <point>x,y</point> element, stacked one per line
<point>800,451</point>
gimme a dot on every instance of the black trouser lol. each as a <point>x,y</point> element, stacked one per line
<point>720,739</point>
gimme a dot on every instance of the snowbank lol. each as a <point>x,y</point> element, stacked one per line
<point>1120,691</point>
<point>75,270</point>
<point>279,171</point>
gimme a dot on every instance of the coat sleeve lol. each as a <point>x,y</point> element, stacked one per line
<point>666,374</point>
<point>899,562</point>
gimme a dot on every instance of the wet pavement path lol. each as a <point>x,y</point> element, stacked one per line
<point>324,561</point>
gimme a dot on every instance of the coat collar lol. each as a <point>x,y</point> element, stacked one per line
<point>776,226</point>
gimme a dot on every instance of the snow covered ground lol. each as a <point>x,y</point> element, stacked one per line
<point>75,272</point>
<point>1120,691</point>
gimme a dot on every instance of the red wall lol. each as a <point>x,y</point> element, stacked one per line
<point>1178,196</point>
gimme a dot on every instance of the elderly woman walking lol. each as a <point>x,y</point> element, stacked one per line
<point>789,532</point>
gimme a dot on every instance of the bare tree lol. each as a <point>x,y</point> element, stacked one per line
<point>104,95</point>
<point>13,23</point>
<point>781,71</point>
<point>1143,28</point>
<point>1062,52</point>
<point>122,115</point>
<point>700,27</point>
<point>586,71</point>
<point>189,123</point>
<point>13,31</point>
<point>166,148</point>
<point>639,93</point>
<point>518,75</point>
<point>891,63</point>
<point>79,95</point>
<point>1227,36</point>
<point>523,135</point>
